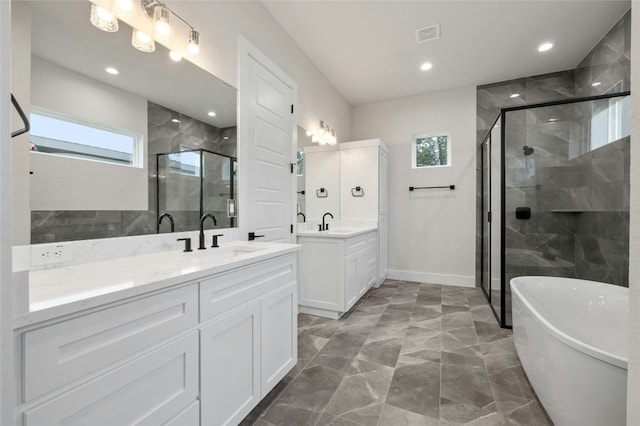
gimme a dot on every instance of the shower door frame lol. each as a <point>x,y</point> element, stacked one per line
<point>502,118</point>
<point>201,177</point>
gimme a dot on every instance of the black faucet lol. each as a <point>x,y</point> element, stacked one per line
<point>202,219</point>
<point>253,236</point>
<point>325,227</point>
<point>304,218</point>
<point>162,216</point>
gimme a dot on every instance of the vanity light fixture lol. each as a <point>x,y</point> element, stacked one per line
<point>123,9</point>
<point>194,41</point>
<point>175,56</point>
<point>325,135</point>
<point>142,41</point>
<point>103,19</point>
<point>211,114</point>
<point>112,71</point>
<point>515,95</point>
<point>157,12</point>
<point>545,46</point>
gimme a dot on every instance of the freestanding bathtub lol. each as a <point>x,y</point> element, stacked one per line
<point>571,338</point>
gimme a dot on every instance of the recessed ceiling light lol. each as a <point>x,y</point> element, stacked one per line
<point>544,47</point>
<point>175,120</point>
<point>426,66</point>
<point>211,114</point>
<point>552,120</point>
<point>225,137</point>
<point>175,56</point>
<point>112,71</point>
<point>515,95</point>
<point>596,83</point>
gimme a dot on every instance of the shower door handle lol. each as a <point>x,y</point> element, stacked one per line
<point>489,217</point>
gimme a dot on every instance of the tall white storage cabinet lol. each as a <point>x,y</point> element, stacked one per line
<point>364,190</point>
<point>322,170</point>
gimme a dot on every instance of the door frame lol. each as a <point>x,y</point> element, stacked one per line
<point>247,51</point>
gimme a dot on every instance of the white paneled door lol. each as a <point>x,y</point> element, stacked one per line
<point>267,128</point>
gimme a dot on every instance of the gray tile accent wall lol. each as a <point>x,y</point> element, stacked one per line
<point>579,199</point>
<point>164,136</point>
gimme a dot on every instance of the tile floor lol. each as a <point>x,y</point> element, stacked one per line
<point>406,354</point>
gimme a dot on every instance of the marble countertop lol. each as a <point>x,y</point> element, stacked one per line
<point>69,289</point>
<point>340,232</point>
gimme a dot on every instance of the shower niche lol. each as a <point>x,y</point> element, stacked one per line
<point>555,195</point>
<point>192,183</point>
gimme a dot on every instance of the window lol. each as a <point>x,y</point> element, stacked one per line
<point>73,137</point>
<point>431,151</point>
<point>610,120</point>
<point>300,163</point>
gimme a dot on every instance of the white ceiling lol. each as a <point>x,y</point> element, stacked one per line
<point>367,49</point>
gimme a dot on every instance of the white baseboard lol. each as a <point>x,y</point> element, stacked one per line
<point>426,277</point>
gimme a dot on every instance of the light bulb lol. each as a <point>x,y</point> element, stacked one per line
<point>122,8</point>
<point>103,19</point>
<point>194,41</point>
<point>142,41</point>
<point>161,24</point>
<point>175,56</point>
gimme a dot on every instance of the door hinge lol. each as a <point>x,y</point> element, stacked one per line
<point>291,108</point>
<point>293,165</point>
<point>488,216</point>
<point>292,228</point>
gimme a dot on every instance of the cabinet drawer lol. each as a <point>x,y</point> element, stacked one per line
<point>61,353</point>
<point>355,244</point>
<point>150,390</point>
<point>231,289</point>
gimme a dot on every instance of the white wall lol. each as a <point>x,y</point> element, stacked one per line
<point>431,232</point>
<point>21,88</point>
<point>220,23</point>
<point>633,388</point>
<point>64,183</point>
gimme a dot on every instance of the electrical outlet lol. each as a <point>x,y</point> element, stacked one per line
<point>49,254</point>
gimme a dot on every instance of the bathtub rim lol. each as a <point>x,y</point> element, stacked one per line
<point>563,337</point>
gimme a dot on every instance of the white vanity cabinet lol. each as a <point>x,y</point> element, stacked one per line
<point>86,370</point>
<point>200,353</point>
<point>336,270</point>
<point>249,339</point>
<point>365,165</point>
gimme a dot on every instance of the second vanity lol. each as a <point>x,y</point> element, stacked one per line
<point>336,268</point>
<point>192,338</point>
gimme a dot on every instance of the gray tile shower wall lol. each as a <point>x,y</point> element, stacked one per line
<point>609,63</point>
<point>575,195</point>
<point>164,136</point>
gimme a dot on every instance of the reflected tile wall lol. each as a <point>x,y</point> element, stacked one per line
<point>164,136</point>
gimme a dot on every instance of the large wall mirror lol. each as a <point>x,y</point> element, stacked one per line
<point>113,150</point>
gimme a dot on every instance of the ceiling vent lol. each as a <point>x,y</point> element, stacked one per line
<point>432,32</point>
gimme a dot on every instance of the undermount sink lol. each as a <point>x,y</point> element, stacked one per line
<point>225,252</point>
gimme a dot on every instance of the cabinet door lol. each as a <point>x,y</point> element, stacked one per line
<point>355,276</point>
<point>359,167</point>
<point>383,179</point>
<point>150,390</point>
<point>230,366</point>
<point>383,247</point>
<point>279,331</point>
<point>351,280</point>
<point>322,170</point>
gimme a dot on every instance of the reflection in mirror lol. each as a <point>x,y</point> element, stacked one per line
<point>303,140</point>
<point>86,187</point>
